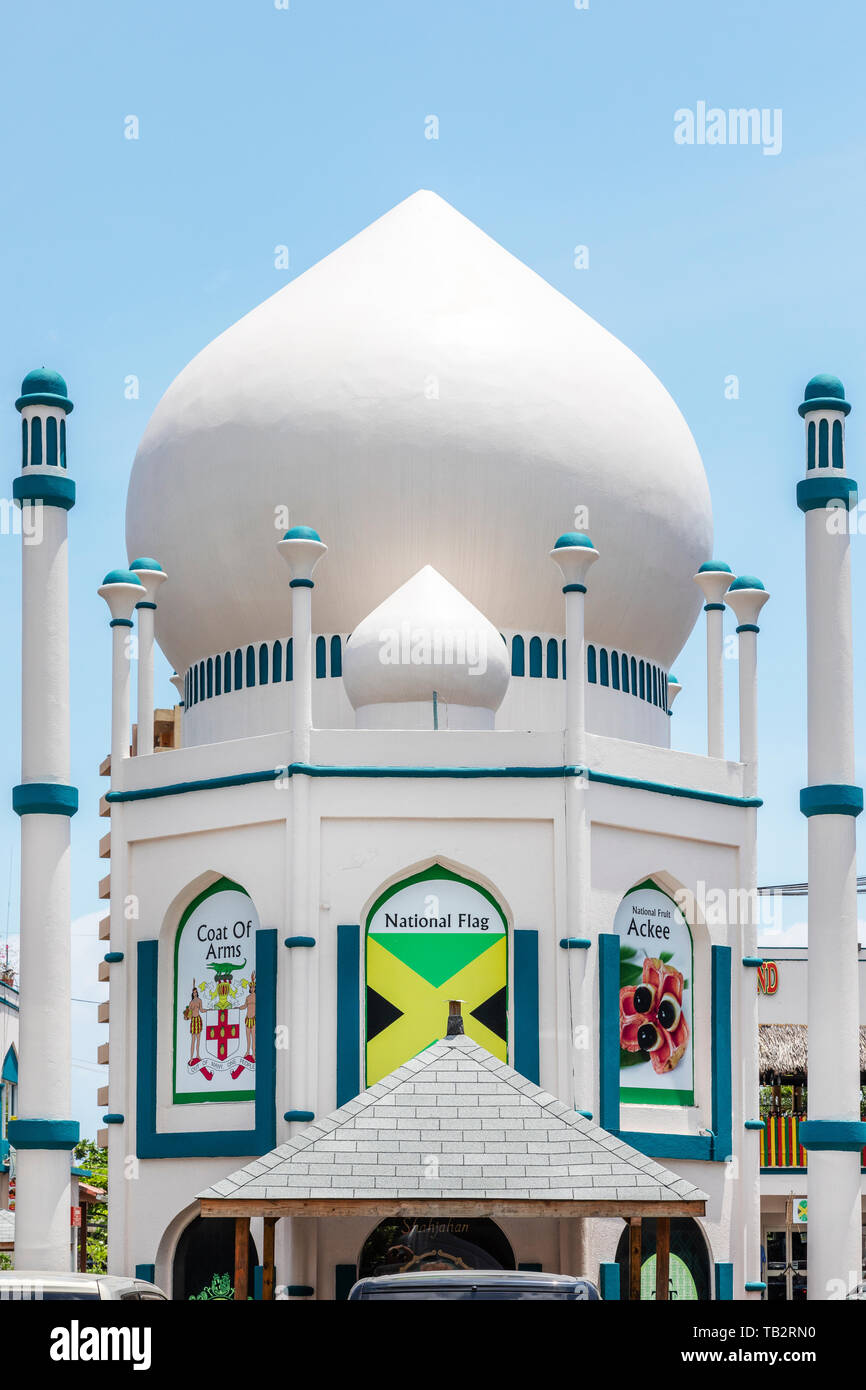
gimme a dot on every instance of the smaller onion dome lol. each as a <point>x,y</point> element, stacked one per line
<point>425,638</point>
<point>824,392</point>
<point>745,581</point>
<point>44,387</point>
<point>302,533</point>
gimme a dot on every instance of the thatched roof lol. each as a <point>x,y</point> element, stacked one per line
<point>783,1050</point>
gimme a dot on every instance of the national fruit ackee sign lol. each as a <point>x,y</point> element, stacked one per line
<point>656,967</point>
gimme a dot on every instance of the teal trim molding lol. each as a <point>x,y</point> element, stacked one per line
<point>815,493</point>
<point>113,1119</point>
<point>291,941</point>
<point>238,779</point>
<point>755,961</point>
<point>44,799</point>
<point>146,1272</point>
<point>608,1278</point>
<point>527,1059</point>
<point>587,1114</point>
<point>225,1143</point>
<point>831,799</point>
<point>755,1286</point>
<point>724,1281</point>
<point>51,491</point>
<point>754,1124</point>
<point>348,1012</point>
<point>113,957</point>
<point>715,1147</point>
<point>663,789</point>
<point>43,1134</point>
<point>575,943</point>
<point>304,1117</point>
<point>840,1136</point>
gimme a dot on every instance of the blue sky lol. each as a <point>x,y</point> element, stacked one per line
<point>262,126</point>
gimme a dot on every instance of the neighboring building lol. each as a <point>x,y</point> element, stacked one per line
<point>9,1011</point>
<point>784,1068</point>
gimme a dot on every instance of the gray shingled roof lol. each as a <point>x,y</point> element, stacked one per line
<point>455,1122</point>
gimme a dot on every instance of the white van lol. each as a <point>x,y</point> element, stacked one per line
<point>35,1286</point>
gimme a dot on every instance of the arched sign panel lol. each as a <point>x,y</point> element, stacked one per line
<point>656,976</point>
<point>215,997</point>
<point>432,938</point>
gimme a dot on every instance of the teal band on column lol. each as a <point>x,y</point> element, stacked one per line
<point>44,799</point>
<point>301,584</point>
<point>575,943</point>
<point>753,960</point>
<point>113,957</point>
<point>754,1124</point>
<point>574,588</point>
<point>840,1136</point>
<point>814,493</point>
<point>714,608</point>
<point>755,1286</point>
<point>299,1116</point>
<point>831,799</point>
<point>50,491</point>
<point>120,622</point>
<point>43,1134</point>
<point>291,941</point>
<point>112,1119</point>
<point>146,605</point>
<point>748,627</point>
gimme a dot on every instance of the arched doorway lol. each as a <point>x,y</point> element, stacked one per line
<point>689,1278</point>
<point>432,937</point>
<point>204,1259</point>
<point>434,1242</point>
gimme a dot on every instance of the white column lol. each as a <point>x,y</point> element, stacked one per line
<point>575,553</point>
<point>302,549</point>
<point>713,580</point>
<point>151,575</point>
<point>833,1134</point>
<point>121,591</point>
<point>43,1133</point>
<point>746,597</point>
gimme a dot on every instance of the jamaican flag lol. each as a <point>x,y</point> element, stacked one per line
<point>432,938</point>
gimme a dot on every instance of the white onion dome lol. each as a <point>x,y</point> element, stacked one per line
<point>420,397</point>
<point>426,638</point>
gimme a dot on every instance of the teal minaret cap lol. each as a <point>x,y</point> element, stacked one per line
<point>122,577</point>
<point>44,387</point>
<point>145,564</point>
<point>572,538</point>
<point>824,392</point>
<point>745,581</point>
<point>715,567</point>
<point>302,533</point>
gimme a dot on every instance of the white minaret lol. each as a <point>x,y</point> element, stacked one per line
<point>833,1134</point>
<point>713,580</point>
<point>747,596</point>
<point>150,575</point>
<point>574,553</point>
<point>43,1134</point>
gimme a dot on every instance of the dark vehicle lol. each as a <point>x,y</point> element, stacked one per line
<point>486,1284</point>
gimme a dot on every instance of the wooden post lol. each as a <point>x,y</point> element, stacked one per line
<point>270,1223</point>
<point>634,1245</point>
<point>663,1257</point>
<point>242,1257</point>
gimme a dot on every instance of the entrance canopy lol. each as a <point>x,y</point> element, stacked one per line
<point>453,1129</point>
